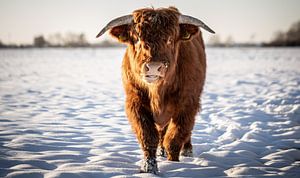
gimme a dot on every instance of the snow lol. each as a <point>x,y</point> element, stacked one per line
<point>62,115</point>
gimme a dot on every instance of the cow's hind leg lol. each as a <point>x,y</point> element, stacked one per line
<point>187,149</point>
<point>161,149</point>
<point>178,133</point>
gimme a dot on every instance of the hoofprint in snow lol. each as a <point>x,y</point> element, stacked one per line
<point>62,115</point>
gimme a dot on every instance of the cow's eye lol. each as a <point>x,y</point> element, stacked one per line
<point>170,40</point>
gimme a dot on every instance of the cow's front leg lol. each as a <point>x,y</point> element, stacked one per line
<point>178,133</point>
<point>143,125</point>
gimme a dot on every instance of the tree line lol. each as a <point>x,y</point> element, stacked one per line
<point>58,40</point>
<point>291,37</point>
<point>61,40</point>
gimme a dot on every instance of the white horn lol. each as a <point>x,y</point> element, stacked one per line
<point>185,19</point>
<point>126,19</point>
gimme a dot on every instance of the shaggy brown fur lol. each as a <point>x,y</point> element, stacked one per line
<point>162,114</point>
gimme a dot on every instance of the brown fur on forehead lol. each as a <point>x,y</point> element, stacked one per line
<point>153,25</point>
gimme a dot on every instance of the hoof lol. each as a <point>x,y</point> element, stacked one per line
<point>187,152</point>
<point>149,165</point>
<point>161,152</point>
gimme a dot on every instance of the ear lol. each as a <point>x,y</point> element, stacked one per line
<point>121,33</point>
<point>187,31</point>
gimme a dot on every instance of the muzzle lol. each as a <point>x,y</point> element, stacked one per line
<point>153,71</point>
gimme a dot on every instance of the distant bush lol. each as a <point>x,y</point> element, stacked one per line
<point>39,41</point>
<point>289,38</point>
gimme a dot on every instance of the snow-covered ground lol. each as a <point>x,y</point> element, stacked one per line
<point>62,115</point>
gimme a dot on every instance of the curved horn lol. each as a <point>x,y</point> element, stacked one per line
<point>126,19</point>
<point>185,19</point>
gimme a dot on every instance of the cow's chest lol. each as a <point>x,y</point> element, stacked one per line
<point>163,118</point>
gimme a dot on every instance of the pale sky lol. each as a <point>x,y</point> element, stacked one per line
<point>21,20</point>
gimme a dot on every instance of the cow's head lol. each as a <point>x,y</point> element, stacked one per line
<point>154,37</point>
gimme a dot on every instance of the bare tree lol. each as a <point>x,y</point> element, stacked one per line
<point>229,41</point>
<point>214,40</point>
<point>55,39</point>
<point>75,40</point>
